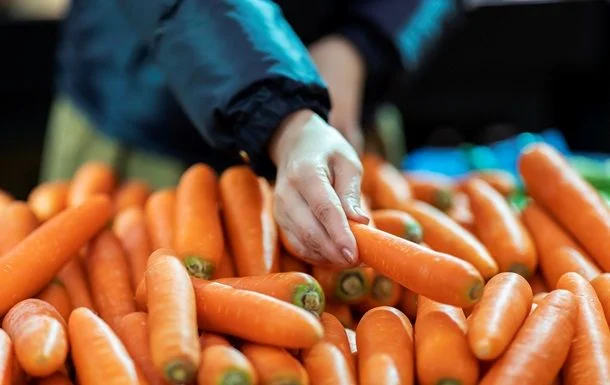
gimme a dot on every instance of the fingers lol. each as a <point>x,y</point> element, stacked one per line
<point>347,182</point>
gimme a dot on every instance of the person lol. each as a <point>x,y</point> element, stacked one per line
<point>152,87</point>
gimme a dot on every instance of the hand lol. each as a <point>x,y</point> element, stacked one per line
<point>318,183</point>
<point>343,69</point>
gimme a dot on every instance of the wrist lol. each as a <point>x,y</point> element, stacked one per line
<point>287,134</point>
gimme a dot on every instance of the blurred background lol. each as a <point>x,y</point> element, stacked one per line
<point>505,72</point>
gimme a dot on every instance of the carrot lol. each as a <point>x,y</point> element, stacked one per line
<point>500,230</point>
<point>56,295</point>
<point>342,312</point>
<point>557,252</point>
<point>226,267</point>
<point>130,227</point>
<point>440,330</point>
<point>495,320</point>
<point>300,289</point>
<point>174,340</point>
<point>334,333</point>
<point>427,272</point>
<point>5,199</point>
<point>17,222</point>
<point>90,179</point>
<point>379,369</point>
<point>430,187</point>
<point>54,379</point>
<point>589,359</point>
<point>210,339</point>
<point>446,236</point>
<point>225,365</point>
<point>131,193</point>
<point>160,213</point>
<point>326,365</point>
<point>275,366</point>
<point>541,345</point>
<point>537,284</point>
<point>47,249</point>
<point>38,333</point>
<point>98,354</point>
<point>6,357</point>
<point>398,223</point>
<point>384,292</point>
<point>248,216</point>
<point>48,199</point>
<point>134,333</point>
<point>569,198</point>
<point>370,165</point>
<point>108,274</point>
<point>245,314</point>
<point>501,181</point>
<point>460,211</point>
<point>601,284</point>
<point>408,303</point>
<point>348,285</point>
<point>290,263</point>
<point>537,299</point>
<point>390,189</point>
<point>385,330</point>
<point>75,282</point>
<point>198,234</point>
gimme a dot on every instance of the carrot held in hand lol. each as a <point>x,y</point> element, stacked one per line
<point>275,366</point>
<point>17,221</point>
<point>47,249</point>
<point>398,223</point>
<point>601,284</point>
<point>131,193</point>
<point>430,187</point>
<point>56,295</point>
<point>541,345</point>
<point>498,316</point>
<point>348,285</point>
<point>130,227</point>
<point>73,278</point>
<point>160,213</point>
<point>48,199</point>
<point>326,365</point>
<point>436,275</point>
<point>334,333</point>
<point>198,234</point>
<point>225,365</point>
<point>90,179</point>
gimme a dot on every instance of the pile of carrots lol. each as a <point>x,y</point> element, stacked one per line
<point>108,283</point>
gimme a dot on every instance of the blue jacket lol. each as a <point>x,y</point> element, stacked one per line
<point>202,80</point>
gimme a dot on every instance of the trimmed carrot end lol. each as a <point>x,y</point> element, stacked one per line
<point>476,291</point>
<point>199,267</point>
<point>520,269</point>
<point>180,371</point>
<point>310,297</point>
<point>414,233</point>
<point>443,199</point>
<point>382,288</point>
<point>449,381</point>
<point>235,377</point>
<point>352,285</point>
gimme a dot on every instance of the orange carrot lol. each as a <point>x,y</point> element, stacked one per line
<point>130,227</point>
<point>326,365</point>
<point>445,235</point>
<point>390,189</point>
<point>537,299</point>
<point>384,292</point>
<point>56,294</point>
<point>569,198</point>
<point>589,359</point>
<point>47,249</point>
<point>557,252</point>
<point>226,267</point>
<point>225,365</point>
<point>54,379</point>
<point>440,330</point>
<point>275,365</point>
<point>290,263</point>
<point>495,320</point>
<point>541,345</point>
<point>379,369</point>
<point>131,193</point>
<point>6,357</point>
<point>500,230</point>
<point>48,199</point>
<point>460,211</point>
<point>98,354</point>
<point>299,289</point>
<point>408,304</point>
<point>385,330</point>
<point>601,284</point>
<point>244,314</point>
<point>433,188</point>
<point>370,165</point>
<point>248,216</point>
<point>38,333</point>
<point>210,339</point>
<point>108,274</point>
<point>160,212</point>
<point>73,278</point>
<point>198,233</point>
<point>501,181</point>
<point>398,223</point>
<point>5,199</point>
<point>348,285</point>
<point>133,331</point>
<point>17,222</point>
<point>334,333</point>
<point>90,179</point>
<point>174,340</point>
<point>342,312</point>
<point>537,284</point>
<point>439,276</point>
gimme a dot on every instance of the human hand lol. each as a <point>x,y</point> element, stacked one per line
<point>317,189</point>
<point>343,69</point>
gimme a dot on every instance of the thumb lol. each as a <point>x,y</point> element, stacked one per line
<point>347,181</point>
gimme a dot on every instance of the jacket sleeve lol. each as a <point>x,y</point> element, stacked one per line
<point>236,67</point>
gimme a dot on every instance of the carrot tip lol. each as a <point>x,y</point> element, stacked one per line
<point>179,372</point>
<point>381,288</point>
<point>235,377</point>
<point>413,233</point>
<point>57,281</point>
<point>448,381</point>
<point>476,291</point>
<point>352,285</point>
<point>199,267</point>
<point>520,269</point>
<point>443,200</point>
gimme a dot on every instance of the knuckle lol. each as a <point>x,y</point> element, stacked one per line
<point>324,211</point>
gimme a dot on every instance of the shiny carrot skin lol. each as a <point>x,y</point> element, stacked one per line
<point>54,379</point>
<point>248,217</point>
<point>370,165</point>
<point>109,277</point>
<point>17,222</point>
<point>172,319</point>
<point>384,292</point>
<point>541,345</point>
<point>47,249</point>
<point>39,336</point>
<point>501,181</point>
<point>245,314</point>
<point>7,358</point>
<point>537,299</point>
<point>461,213</point>
<point>210,339</point>
<point>225,365</point>
<point>48,199</point>
<point>601,284</point>
<point>74,279</point>
<point>348,285</point>
<point>379,369</point>
<point>495,320</point>
<point>90,179</point>
<point>290,263</point>
<point>334,333</point>
<point>433,188</point>
<point>439,276</point>
<point>500,230</point>
<point>274,365</point>
<point>342,312</point>
<point>408,304</point>
<point>131,193</point>
<point>446,236</point>
<point>385,330</point>
<point>391,190</point>
<point>299,289</point>
<point>130,227</point>
<point>398,223</point>
<point>558,253</point>
<point>569,198</point>
<point>589,359</point>
<point>56,295</point>
<point>160,213</point>
<point>198,240</point>
<point>226,267</point>
<point>99,355</point>
<point>326,365</point>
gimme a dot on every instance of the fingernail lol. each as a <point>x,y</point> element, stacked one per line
<point>348,255</point>
<point>361,213</point>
